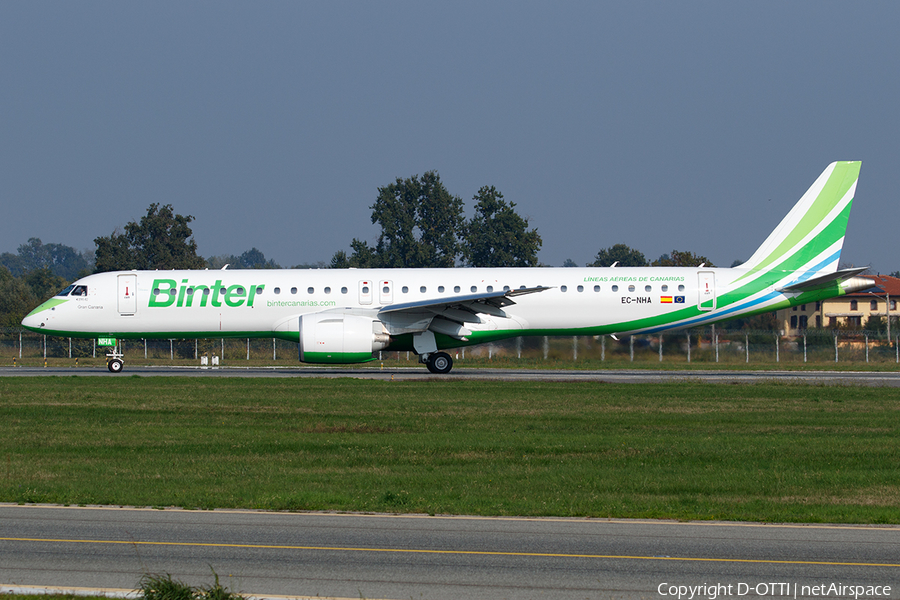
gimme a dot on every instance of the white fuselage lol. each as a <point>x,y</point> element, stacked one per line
<point>267,303</point>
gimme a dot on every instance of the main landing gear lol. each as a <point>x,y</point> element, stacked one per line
<point>425,346</point>
<point>438,363</point>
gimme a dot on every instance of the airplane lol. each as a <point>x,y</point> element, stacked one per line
<point>340,316</point>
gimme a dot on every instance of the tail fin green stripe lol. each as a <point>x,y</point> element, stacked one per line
<point>841,180</point>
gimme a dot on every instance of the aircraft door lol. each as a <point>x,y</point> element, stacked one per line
<point>365,292</point>
<point>385,292</point>
<point>707,290</point>
<point>127,296</point>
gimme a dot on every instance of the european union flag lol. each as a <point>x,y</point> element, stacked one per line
<point>679,299</point>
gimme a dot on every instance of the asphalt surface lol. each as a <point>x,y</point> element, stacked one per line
<point>458,558</point>
<point>864,378</point>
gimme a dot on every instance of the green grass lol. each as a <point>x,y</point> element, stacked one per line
<point>150,587</point>
<point>773,452</point>
<point>51,597</point>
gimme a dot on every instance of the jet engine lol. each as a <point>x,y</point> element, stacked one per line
<point>339,338</point>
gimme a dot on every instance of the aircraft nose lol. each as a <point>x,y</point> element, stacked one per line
<point>33,321</point>
<point>38,318</point>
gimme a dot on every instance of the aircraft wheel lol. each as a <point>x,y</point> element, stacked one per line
<point>440,363</point>
<point>115,365</point>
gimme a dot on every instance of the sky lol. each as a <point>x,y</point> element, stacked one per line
<point>660,125</point>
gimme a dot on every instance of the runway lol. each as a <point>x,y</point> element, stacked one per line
<point>861,378</point>
<point>439,558</point>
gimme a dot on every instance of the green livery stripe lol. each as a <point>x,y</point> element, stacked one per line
<point>52,302</point>
<point>838,185</point>
<point>288,336</point>
<point>337,358</point>
<point>793,263</point>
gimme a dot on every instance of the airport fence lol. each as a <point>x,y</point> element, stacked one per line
<point>698,345</point>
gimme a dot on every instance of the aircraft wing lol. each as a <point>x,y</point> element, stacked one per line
<point>449,315</point>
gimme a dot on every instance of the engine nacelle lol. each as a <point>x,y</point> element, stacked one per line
<point>337,338</point>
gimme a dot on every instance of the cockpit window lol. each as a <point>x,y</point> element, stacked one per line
<point>74,290</point>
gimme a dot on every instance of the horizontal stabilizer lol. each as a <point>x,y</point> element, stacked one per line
<point>824,281</point>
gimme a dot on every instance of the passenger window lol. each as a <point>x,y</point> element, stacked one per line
<point>190,291</point>
<point>665,288</point>
<point>441,289</point>
<point>456,289</point>
<point>505,288</point>
<point>277,290</point>
<point>474,289</point>
<point>310,290</point>
<point>365,289</point>
<point>490,288</point>
<point>615,288</point>
<point>647,288</point>
<point>385,290</point>
<point>343,290</point>
<point>328,290</point>
<point>680,288</point>
<point>596,288</point>
<point>293,290</point>
<point>259,290</point>
<point>563,288</point>
<point>630,288</point>
<point>422,289</point>
<point>405,289</point>
<point>580,288</point>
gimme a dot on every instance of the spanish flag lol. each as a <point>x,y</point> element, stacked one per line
<point>665,299</point>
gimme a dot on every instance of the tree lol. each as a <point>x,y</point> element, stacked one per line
<point>255,259</point>
<point>761,322</point>
<point>162,240</point>
<point>420,223</point>
<point>251,259</point>
<point>497,236</point>
<point>680,258</point>
<point>319,264</point>
<point>621,254</point>
<point>363,257</point>
<point>61,260</point>
<point>16,299</point>
<point>875,323</point>
<point>569,263</point>
<point>44,284</point>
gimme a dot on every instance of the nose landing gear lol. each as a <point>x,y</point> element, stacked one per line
<point>114,361</point>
